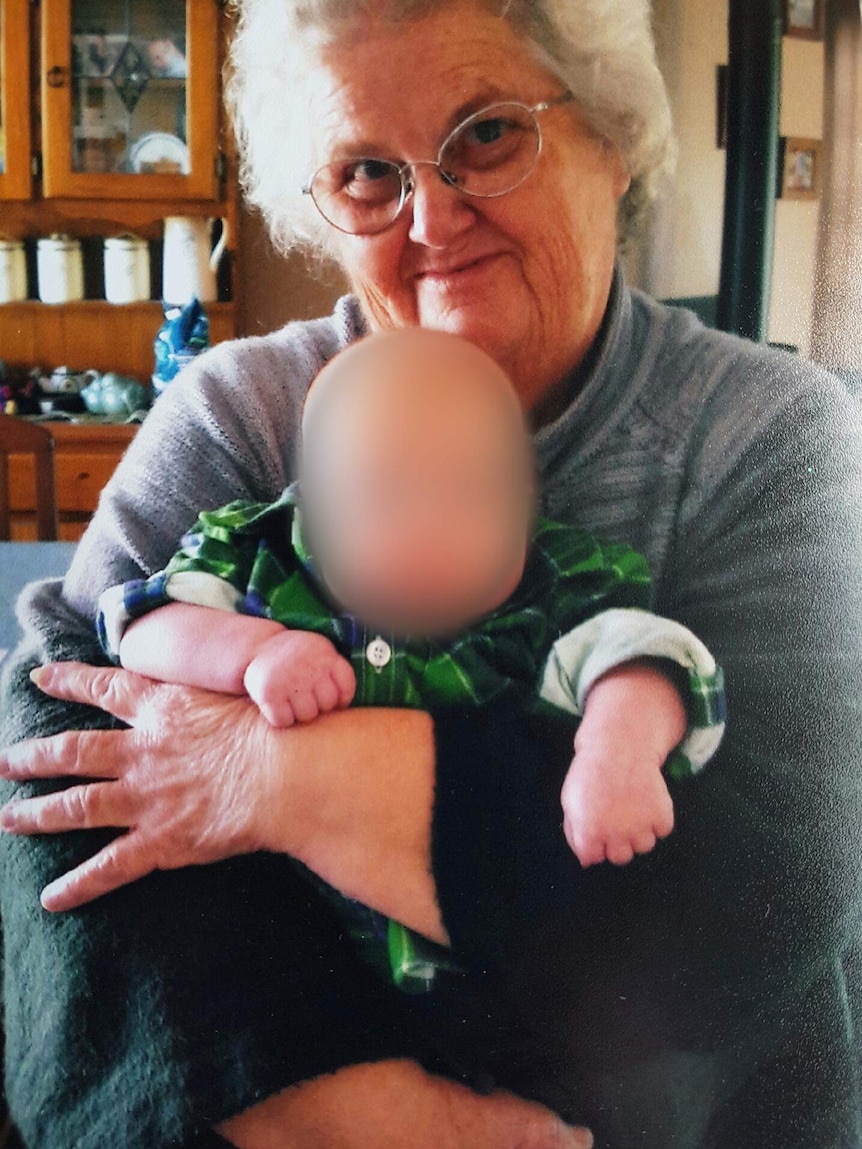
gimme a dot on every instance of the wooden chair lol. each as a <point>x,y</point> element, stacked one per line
<point>18,437</point>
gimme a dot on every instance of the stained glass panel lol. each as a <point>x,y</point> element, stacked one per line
<point>129,79</point>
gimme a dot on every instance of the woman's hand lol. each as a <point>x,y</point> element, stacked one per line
<point>191,782</point>
<point>202,776</point>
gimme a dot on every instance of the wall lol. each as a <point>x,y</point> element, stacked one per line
<point>685,260</point>
<point>797,221</point>
<point>275,290</point>
<point>837,320</point>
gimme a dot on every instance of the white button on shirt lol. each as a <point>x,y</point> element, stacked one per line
<point>378,652</point>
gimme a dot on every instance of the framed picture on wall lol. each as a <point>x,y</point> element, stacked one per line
<point>804,18</point>
<point>800,161</point>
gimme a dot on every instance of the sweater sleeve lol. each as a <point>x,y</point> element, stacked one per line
<point>178,1001</point>
<point>767,569</point>
<point>217,434</point>
<point>175,1002</point>
<point>758,890</point>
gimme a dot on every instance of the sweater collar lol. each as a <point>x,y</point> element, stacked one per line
<point>597,386</point>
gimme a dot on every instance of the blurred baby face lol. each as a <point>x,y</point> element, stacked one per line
<point>417,482</point>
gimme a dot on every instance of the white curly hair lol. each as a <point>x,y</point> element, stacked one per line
<point>602,50</point>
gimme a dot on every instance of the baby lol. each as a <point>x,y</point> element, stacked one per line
<point>407,568</point>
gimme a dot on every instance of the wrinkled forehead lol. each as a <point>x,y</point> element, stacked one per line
<point>398,88</point>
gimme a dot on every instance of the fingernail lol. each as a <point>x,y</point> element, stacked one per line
<point>39,676</point>
<point>8,816</point>
<point>48,895</point>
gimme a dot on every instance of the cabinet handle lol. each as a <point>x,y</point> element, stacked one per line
<point>56,77</point>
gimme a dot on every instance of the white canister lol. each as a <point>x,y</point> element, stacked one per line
<point>127,269</point>
<point>60,269</point>
<point>13,271</point>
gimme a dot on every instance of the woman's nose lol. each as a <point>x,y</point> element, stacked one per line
<point>439,212</point>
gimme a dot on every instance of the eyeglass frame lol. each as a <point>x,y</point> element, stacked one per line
<point>408,182</point>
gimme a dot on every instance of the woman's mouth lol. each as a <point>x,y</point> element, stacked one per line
<point>456,275</point>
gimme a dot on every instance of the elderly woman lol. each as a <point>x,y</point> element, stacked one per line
<point>469,163</point>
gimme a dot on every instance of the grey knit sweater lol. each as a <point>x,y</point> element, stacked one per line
<point>706,996</point>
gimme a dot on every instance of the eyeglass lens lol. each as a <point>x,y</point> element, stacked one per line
<point>488,154</point>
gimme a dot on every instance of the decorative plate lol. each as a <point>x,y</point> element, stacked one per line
<point>160,153</point>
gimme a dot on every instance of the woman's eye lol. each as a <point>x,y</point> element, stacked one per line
<point>488,131</point>
<point>374,180</point>
<point>485,144</point>
<point>372,170</point>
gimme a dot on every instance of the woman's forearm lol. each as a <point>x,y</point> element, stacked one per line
<point>356,808</point>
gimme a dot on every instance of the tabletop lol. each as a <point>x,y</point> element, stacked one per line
<point>22,563</point>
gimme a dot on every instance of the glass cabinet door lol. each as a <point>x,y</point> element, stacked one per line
<point>15,150</point>
<point>130,98</point>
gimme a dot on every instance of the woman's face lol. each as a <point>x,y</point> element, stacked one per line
<point>526,276</point>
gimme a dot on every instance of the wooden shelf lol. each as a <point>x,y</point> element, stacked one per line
<point>146,217</point>
<point>107,336</point>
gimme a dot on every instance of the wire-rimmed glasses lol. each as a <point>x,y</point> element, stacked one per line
<point>488,154</point>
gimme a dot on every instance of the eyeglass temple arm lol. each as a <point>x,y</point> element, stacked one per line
<point>566,98</point>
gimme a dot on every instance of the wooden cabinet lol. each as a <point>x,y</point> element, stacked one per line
<point>85,456</point>
<point>120,128</point>
<point>110,121</point>
<point>128,107</point>
<point>15,147</point>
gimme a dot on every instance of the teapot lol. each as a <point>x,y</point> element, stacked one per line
<point>115,394</point>
<point>65,381</point>
<point>190,261</point>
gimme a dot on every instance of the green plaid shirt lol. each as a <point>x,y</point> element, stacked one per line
<point>251,558</point>
<point>258,551</point>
